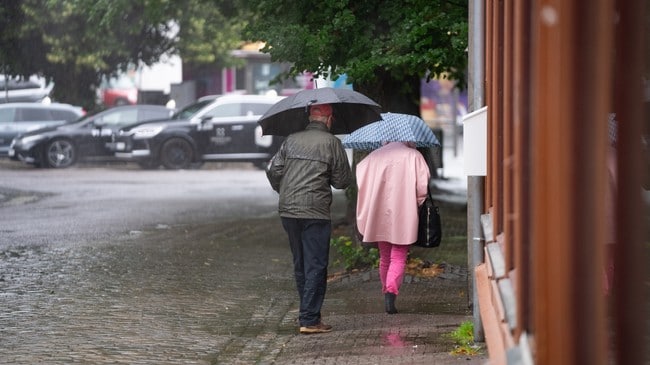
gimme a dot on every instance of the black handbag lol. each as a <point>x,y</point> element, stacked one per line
<point>430,225</point>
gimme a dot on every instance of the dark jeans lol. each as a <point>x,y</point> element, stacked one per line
<point>310,245</point>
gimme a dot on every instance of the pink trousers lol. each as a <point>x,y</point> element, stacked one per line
<point>392,262</point>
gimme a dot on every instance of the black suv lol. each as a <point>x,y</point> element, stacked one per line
<point>222,129</point>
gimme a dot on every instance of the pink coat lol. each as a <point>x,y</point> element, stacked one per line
<point>392,183</point>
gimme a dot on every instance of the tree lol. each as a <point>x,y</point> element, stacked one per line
<point>76,42</point>
<point>210,30</point>
<point>384,47</point>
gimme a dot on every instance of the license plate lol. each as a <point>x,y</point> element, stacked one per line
<point>12,152</point>
<point>120,146</point>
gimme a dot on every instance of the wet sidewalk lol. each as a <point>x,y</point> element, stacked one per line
<point>219,293</point>
<point>429,309</point>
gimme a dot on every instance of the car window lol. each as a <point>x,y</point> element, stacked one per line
<point>32,114</point>
<point>18,85</point>
<point>7,115</point>
<point>249,109</point>
<point>190,110</point>
<point>153,114</point>
<point>66,115</point>
<point>119,82</point>
<point>120,117</point>
<point>225,110</point>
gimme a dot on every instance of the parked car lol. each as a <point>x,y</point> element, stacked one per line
<point>18,118</point>
<point>117,91</point>
<point>220,129</point>
<point>83,140</point>
<point>33,89</point>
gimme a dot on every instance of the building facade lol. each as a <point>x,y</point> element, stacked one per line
<point>559,223</point>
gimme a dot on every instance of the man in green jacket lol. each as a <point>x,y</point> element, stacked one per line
<point>303,171</point>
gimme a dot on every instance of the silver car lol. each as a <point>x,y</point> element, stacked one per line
<point>16,90</point>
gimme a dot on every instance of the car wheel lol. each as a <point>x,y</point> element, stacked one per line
<point>176,153</point>
<point>150,164</point>
<point>60,153</point>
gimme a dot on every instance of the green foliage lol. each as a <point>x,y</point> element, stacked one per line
<point>210,30</point>
<point>354,256</point>
<point>463,336</point>
<point>76,42</point>
<point>377,43</point>
<point>384,47</point>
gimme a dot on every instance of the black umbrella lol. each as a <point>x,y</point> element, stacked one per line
<point>351,110</point>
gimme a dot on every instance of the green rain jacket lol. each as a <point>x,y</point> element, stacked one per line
<point>305,168</point>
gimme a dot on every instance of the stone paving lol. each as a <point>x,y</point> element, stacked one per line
<point>211,294</point>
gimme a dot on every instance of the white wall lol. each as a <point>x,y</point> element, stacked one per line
<point>160,76</point>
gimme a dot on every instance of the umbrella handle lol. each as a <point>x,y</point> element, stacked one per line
<point>309,103</point>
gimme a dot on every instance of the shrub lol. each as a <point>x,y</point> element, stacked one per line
<point>354,256</point>
<point>463,336</point>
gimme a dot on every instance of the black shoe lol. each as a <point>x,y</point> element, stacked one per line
<point>389,303</point>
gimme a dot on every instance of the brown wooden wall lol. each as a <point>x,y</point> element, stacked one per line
<point>554,71</point>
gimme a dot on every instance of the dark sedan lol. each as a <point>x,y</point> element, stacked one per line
<point>83,140</point>
<point>221,129</point>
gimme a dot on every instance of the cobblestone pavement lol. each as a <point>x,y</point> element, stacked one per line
<point>212,294</point>
<point>219,293</point>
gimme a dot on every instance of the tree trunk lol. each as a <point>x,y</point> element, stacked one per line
<point>75,87</point>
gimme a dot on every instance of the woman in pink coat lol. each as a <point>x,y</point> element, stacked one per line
<point>392,182</point>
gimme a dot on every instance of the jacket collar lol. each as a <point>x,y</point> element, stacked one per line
<point>317,125</point>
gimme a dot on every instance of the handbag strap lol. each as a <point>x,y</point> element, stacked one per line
<point>429,192</point>
<point>430,196</point>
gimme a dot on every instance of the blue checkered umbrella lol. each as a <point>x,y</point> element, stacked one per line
<point>393,127</point>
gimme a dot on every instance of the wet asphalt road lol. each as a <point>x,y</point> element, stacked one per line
<point>85,204</point>
<point>106,265</point>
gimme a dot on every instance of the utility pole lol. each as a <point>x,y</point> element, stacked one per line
<point>475,184</point>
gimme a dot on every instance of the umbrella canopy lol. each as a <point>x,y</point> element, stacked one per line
<point>351,110</point>
<point>393,127</point>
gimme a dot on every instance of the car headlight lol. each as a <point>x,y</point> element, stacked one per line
<point>27,142</point>
<point>260,140</point>
<point>146,131</point>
